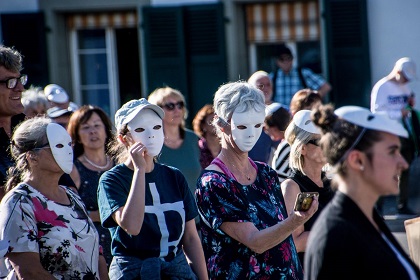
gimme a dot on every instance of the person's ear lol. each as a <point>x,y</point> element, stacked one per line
<point>122,139</point>
<point>356,160</point>
<point>31,156</point>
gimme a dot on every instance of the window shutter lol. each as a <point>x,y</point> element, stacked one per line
<point>348,52</point>
<point>164,48</point>
<point>26,32</point>
<point>205,41</point>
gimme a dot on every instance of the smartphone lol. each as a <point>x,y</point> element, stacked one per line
<point>304,200</point>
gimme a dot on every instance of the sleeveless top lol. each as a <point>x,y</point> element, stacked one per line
<point>307,185</point>
<point>325,196</point>
<point>89,180</point>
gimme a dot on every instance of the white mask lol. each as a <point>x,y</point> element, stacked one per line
<point>147,129</point>
<point>61,146</point>
<point>246,128</point>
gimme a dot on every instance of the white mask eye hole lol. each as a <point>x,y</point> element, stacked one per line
<point>139,130</point>
<point>70,144</point>
<point>59,145</point>
<point>258,125</point>
<point>241,127</point>
<point>157,127</point>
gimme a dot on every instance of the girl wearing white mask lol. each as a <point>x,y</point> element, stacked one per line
<point>45,228</point>
<point>148,206</point>
<point>246,226</point>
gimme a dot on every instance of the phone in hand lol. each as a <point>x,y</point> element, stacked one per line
<point>304,200</point>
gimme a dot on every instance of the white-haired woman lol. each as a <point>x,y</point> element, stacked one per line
<point>246,230</point>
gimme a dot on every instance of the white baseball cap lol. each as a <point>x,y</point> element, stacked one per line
<point>302,119</point>
<point>56,94</point>
<point>273,107</point>
<point>379,121</point>
<point>129,111</point>
<point>407,66</point>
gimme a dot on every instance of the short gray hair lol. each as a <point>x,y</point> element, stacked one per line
<point>239,96</point>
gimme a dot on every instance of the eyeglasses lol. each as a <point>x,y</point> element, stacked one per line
<point>12,82</point>
<point>171,106</point>
<point>314,142</point>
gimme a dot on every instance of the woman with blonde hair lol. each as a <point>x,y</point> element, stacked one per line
<point>180,148</point>
<point>306,162</point>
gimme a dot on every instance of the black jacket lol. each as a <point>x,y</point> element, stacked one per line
<point>343,244</point>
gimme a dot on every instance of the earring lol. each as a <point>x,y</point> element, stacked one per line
<point>362,167</point>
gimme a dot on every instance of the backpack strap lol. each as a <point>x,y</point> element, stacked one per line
<point>302,79</point>
<point>274,83</point>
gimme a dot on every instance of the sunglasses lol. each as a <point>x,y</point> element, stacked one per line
<point>314,142</point>
<point>171,106</point>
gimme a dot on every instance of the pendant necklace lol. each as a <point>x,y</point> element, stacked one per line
<point>95,165</point>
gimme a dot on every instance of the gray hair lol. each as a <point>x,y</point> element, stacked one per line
<point>236,96</point>
<point>256,76</point>
<point>10,59</point>
<point>33,97</point>
<point>30,134</point>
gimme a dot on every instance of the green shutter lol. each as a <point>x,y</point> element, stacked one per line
<point>205,40</point>
<point>26,32</point>
<point>348,52</point>
<point>164,48</point>
<point>185,49</point>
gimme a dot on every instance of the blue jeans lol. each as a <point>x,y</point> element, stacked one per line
<point>128,267</point>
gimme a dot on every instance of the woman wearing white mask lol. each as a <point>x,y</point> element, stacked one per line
<point>45,228</point>
<point>148,206</point>
<point>246,230</point>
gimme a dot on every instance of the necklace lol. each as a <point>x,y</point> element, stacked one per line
<point>246,174</point>
<point>95,165</point>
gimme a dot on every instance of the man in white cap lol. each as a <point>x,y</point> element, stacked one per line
<point>391,95</point>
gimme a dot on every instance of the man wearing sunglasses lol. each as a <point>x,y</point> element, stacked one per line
<point>11,108</point>
<point>288,79</point>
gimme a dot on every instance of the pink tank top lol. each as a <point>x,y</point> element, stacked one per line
<point>225,169</point>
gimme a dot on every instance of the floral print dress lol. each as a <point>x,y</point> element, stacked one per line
<point>63,235</point>
<point>220,198</point>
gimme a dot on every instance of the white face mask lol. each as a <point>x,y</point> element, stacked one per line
<point>61,146</point>
<point>246,128</point>
<point>147,129</point>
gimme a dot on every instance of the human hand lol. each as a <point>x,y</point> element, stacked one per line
<point>405,113</point>
<point>137,153</point>
<point>302,216</point>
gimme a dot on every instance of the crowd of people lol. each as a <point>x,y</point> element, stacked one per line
<point>142,196</point>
